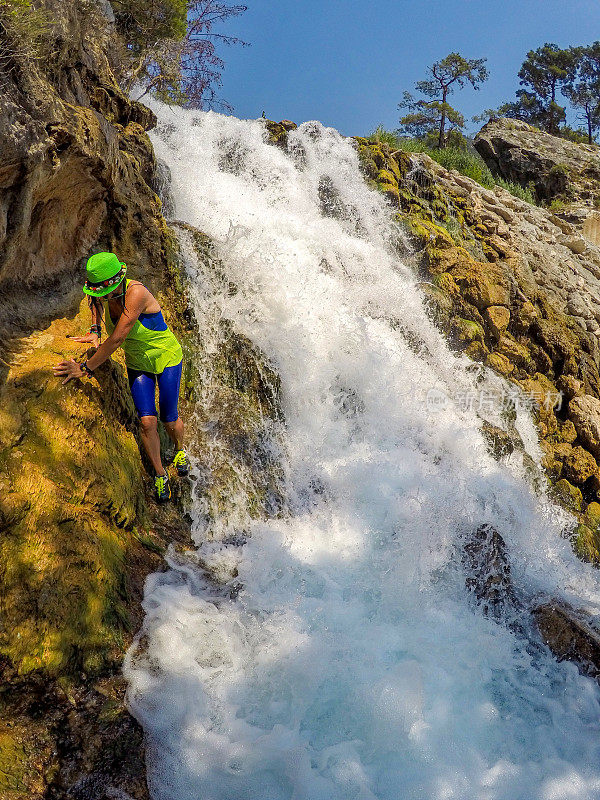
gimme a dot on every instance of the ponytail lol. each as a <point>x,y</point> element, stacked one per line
<point>97,305</point>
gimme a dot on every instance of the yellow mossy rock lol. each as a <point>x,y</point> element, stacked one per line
<point>591,515</point>
<point>447,284</point>
<point>466,331</point>
<point>567,431</point>
<point>515,352</point>
<point>497,318</point>
<point>567,495</point>
<point>579,465</point>
<point>500,363</point>
<point>483,284</point>
<point>550,463</point>
<point>586,544</point>
<point>386,176</point>
<point>71,490</point>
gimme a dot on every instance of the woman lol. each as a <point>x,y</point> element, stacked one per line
<point>153,355</point>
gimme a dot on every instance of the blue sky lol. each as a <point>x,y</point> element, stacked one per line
<point>347,62</point>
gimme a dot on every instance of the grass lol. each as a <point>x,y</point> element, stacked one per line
<point>523,193</point>
<point>463,159</point>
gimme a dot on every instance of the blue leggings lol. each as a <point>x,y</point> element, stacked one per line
<point>143,389</point>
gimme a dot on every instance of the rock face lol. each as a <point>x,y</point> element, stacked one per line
<point>75,166</point>
<point>79,533</point>
<point>517,288</point>
<point>555,167</point>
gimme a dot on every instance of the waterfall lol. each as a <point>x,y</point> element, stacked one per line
<point>351,661</point>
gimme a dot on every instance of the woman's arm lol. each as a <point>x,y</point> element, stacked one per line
<point>136,302</point>
<point>93,337</point>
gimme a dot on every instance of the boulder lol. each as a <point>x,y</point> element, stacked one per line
<point>584,411</point>
<point>497,318</point>
<point>528,156</point>
<point>567,495</point>
<point>488,571</point>
<point>570,636</point>
<point>578,465</point>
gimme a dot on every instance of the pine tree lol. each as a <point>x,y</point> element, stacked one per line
<point>544,72</point>
<point>428,116</point>
<point>583,88</point>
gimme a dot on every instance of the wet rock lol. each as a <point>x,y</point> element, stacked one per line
<point>488,571</point>
<point>500,442</point>
<point>570,636</point>
<point>567,495</point>
<point>480,251</point>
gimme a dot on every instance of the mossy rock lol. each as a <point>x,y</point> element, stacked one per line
<point>477,351</point>
<point>567,495</point>
<point>23,758</point>
<point>500,364</point>
<point>438,302</point>
<point>390,190</point>
<point>499,442</point>
<point>77,464</point>
<point>517,353</point>
<point>446,283</point>
<point>278,131</point>
<point>591,516</point>
<point>549,462</point>
<point>386,177</point>
<point>586,544</point>
<point>579,465</point>
<point>464,331</point>
<point>567,432</point>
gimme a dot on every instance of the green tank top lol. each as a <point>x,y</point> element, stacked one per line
<point>150,345</point>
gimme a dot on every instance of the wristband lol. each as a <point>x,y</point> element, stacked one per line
<point>89,372</point>
<point>97,329</point>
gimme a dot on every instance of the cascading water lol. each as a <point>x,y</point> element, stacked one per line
<point>353,663</point>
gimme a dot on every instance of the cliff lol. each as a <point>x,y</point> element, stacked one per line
<point>79,529</point>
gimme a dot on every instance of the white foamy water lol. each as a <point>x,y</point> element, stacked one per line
<point>352,664</point>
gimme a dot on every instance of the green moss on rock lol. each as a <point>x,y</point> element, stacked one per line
<point>567,495</point>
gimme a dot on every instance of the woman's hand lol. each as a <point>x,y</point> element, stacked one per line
<point>69,368</point>
<point>89,338</point>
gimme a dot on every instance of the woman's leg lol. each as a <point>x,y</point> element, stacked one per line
<point>151,442</point>
<point>143,390</point>
<point>168,398</point>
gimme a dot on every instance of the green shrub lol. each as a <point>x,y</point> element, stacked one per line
<point>380,134</point>
<point>466,162</point>
<point>523,193</point>
<point>462,157</point>
<point>557,205</point>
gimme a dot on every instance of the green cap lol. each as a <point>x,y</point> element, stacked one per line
<point>104,272</point>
